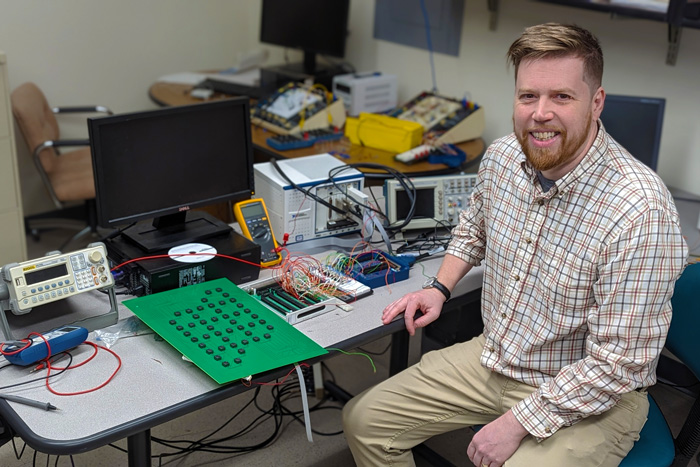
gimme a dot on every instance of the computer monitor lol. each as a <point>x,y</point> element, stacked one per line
<point>163,163</point>
<point>636,123</point>
<point>314,26</point>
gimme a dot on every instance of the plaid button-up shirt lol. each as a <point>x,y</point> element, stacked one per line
<point>577,280</point>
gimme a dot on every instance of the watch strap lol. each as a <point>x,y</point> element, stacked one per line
<point>436,284</point>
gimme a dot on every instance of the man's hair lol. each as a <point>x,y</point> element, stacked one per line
<point>553,40</point>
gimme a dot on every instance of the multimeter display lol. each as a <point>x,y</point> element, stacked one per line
<point>252,217</point>
<point>253,211</point>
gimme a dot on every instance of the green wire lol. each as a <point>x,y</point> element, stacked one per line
<point>374,368</point>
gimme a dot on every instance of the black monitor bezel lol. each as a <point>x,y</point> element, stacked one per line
<point>659,103</point>
<point>342,5</point>
<point>103,202</point>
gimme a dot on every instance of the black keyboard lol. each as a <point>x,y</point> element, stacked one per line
<point>234,89</point>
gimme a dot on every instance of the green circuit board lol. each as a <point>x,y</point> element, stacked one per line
<point>223,330</point>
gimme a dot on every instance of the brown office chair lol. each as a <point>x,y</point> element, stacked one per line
<point>67,175</point>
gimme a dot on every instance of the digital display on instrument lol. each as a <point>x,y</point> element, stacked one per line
<point>425,204</point>
<point>254,210</point>
<point>46,274</point>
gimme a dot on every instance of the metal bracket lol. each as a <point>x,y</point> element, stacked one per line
<point>91,323</point>
<point>493,14</point>
<point>674,43</point>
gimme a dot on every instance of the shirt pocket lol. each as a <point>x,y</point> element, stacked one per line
<point>565,281</point>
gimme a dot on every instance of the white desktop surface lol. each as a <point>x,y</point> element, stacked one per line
<point>154,377</point>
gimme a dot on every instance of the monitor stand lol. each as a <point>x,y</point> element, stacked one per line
<point>279,75</point>
<point>167,232</point>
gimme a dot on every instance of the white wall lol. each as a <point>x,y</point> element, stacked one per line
<point>109,53</point>
<point>635,54</point>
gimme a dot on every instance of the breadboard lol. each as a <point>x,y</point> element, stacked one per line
<point>297,308</point>
<point>223,330</point>
<point>444,119</point>
<point>295,108</point>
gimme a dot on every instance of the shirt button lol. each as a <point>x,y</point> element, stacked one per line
<point>541,202</point>
<point>491,349</point>
<point>503,315</point>
<point>516,277</point>
<point>547,430</point>
<point>528,240</point>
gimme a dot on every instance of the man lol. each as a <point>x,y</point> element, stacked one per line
<point>581,247</point>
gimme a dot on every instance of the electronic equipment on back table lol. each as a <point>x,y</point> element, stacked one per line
<point>294,212</point>
<point>444,119</point>
<point>438,200</point>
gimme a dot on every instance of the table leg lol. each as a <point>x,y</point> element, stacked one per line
<point>139,447</point>
<point>399,352</point>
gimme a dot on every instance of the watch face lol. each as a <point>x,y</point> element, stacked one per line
<point>429,283</point>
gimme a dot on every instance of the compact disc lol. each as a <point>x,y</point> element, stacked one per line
<point>190,252</point>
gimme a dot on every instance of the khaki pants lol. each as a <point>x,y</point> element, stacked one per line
<point>448,389</point>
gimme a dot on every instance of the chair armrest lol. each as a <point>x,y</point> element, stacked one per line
<point>40,167</point>
<point>82,109</point>
<point>67,142</point>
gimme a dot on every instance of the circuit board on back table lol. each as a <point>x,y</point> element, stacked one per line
<point>223,330</point>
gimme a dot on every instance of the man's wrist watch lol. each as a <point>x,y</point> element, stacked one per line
<point>433,283</point>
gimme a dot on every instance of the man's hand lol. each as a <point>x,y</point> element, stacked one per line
<point>496,442</point>
<point>428,301</point>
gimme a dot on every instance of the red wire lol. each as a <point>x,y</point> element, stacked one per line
<point>245,383</point>
<point>3,352</point>
<point>48,372</point>
<point>142,258</point>
<point>48,347</point>
<point>81,363</point>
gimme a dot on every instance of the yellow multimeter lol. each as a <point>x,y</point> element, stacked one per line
<point>255,224</point>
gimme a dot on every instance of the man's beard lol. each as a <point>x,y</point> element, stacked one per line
<point>546,158</point>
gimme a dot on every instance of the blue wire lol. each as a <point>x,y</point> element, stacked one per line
<point>430,43</point>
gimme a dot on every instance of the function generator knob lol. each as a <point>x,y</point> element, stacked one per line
<point>95,256</point>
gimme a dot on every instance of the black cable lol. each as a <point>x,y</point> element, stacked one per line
<point>72,462</point>
<point>405,182</point>
<point>296,417</point>
<point>375,353</point>
<point>213,446</point>
<point>116,232</point>
<point>275,413</point>
<point>70,361</point>
<point>118,448</point>
<point>333,173</point>
<point>14,447</point>
<point>313,196</point>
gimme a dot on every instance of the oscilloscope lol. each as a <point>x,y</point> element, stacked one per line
<point>438,200</point>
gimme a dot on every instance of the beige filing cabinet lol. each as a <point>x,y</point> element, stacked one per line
<point>13,247</point>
